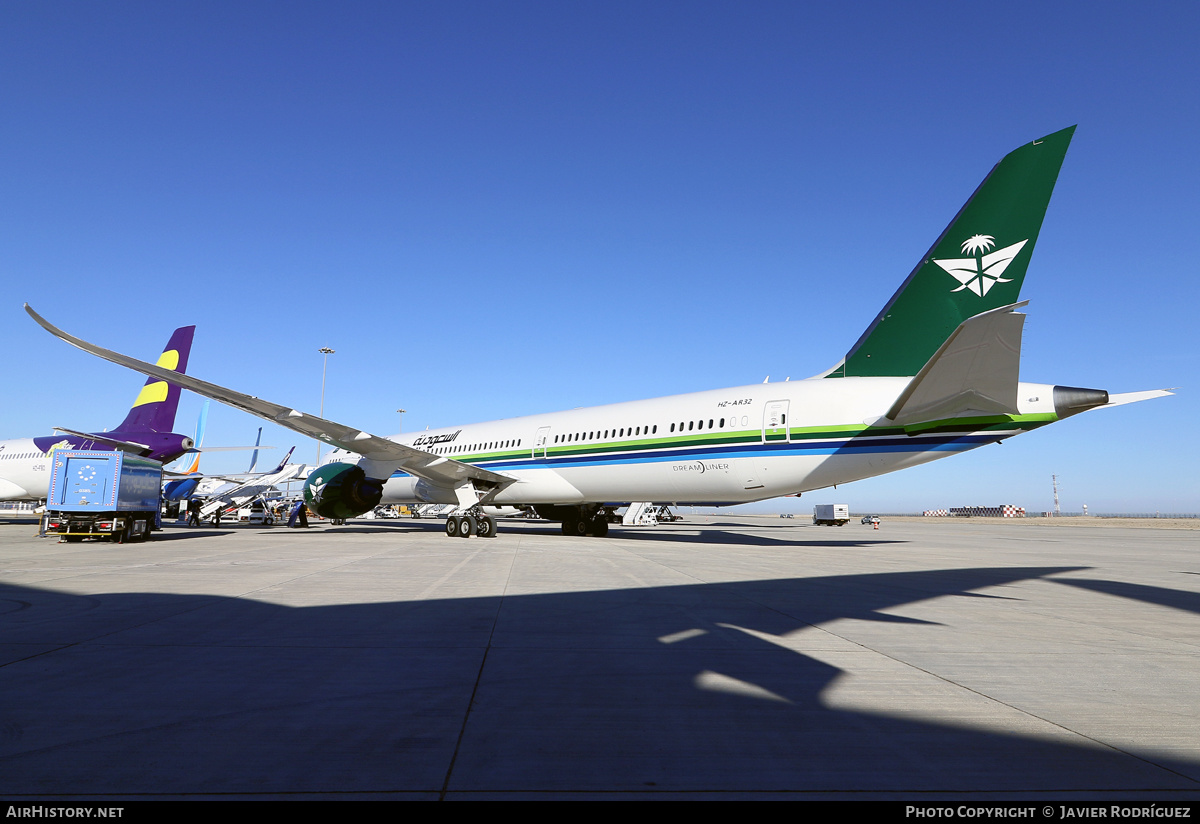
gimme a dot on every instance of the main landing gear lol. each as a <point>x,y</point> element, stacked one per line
<point>580,524</point>
<point>578,519</point>
<point>472,523</point>
<point>598,527</point>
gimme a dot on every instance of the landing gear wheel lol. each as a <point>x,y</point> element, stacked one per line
<point>600,526</point>
<point>575,527</point>
<point>467,527</point>
<point>486,527</point>
<point>452,526</point>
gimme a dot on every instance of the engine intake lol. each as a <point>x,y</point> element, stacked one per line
<point>341,490</point>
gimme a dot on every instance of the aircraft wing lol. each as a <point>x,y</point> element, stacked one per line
<point>261,481</point>
<point>433,468</point>
<point>199,476</point>
<point>227,448</point>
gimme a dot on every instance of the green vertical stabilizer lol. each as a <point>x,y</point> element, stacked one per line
<point>977,264</point>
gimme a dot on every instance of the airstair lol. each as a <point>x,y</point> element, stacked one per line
<point>641,513</point>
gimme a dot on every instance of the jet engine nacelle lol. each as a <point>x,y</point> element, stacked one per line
<point>341,490</point>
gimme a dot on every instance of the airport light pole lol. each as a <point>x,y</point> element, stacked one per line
<point>401,411</point>
<point>326,351</point>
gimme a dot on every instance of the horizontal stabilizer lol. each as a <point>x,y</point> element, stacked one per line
<point>1134,397</point>
<point>117,444</point>
<point>974,372</point>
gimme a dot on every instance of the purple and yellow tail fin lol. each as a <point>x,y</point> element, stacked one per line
<point>155,406</point>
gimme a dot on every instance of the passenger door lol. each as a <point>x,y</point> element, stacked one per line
<point>775,428</point>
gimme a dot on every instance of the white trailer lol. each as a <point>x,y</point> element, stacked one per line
<point>831,514</point>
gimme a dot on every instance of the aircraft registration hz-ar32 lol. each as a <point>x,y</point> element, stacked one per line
<point>935,373</point>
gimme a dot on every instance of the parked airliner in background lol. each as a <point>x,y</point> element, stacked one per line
<point>146,431</point>
<point>240,493</point>
<point>189,480</point>
<point>936,373</point>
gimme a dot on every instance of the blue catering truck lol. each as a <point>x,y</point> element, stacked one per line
<point>102,495</point>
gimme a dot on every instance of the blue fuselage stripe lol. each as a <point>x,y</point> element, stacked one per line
<point>857,446</point>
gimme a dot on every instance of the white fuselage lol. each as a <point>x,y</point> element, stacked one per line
<point>734,445</point>
<point>24,471</point>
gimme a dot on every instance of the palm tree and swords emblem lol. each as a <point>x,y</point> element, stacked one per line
<point>983,271</point>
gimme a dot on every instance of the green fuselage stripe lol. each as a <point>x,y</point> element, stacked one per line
<point>990,423</point>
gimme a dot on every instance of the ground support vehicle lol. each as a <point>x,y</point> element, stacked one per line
<point>111,495</point>
<point>256,513</point>
<point>831,514</point>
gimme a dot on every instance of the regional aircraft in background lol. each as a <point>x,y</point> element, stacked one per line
<point>936,373</point>
<point>146,431</point>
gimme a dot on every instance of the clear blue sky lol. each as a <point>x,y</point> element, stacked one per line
<point>492,209</point>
